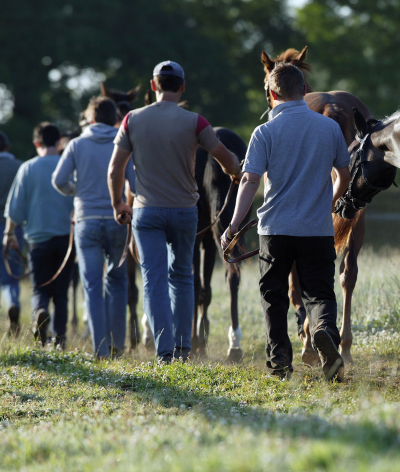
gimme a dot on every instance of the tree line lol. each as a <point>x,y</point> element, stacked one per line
<point>54,54</point>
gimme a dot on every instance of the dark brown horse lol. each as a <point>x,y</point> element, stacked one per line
<point>124,100</point>
<point>349,234</point>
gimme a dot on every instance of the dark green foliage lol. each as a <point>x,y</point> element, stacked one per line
<point>218,42</point>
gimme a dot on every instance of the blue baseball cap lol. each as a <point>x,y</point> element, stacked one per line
<point>173,69</point>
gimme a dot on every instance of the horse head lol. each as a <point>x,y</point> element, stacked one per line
<point>374,159</point>
<point>291,56</point>
<point>123,100</point>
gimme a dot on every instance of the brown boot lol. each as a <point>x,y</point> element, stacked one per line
<point>331,360</point>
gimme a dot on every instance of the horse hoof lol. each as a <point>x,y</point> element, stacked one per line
<point>346,355</point>
<point>235,355</point>
<point>310,357</point>
<point>344,350</point>
<point>134,343</point>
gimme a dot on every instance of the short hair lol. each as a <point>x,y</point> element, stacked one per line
<point>46,134</point>
<point>102,110</point>
<point>4,141</point>
<point>168,83</point>
<point>286,80</point>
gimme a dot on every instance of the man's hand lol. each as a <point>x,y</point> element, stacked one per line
<point>10,241</point>
<point>123,213</point>
<point>237,178</point>
<point>227,237</point>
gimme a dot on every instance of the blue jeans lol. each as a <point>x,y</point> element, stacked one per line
<point>165,239</point>
<point>45,259</point>
<point>9,285</point>
<point>98,241</point>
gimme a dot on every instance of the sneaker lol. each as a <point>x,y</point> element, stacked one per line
<point>164,360</point>
<point>60,342</point>
<point>331,360</point>
<point>41,323</point>
<point>13,318</point>
<point>183,354</point>
<point>115,353</point>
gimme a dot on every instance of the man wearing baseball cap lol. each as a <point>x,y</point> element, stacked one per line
<point>163,139</point>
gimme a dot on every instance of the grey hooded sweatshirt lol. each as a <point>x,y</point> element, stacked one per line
<point>88,157</point>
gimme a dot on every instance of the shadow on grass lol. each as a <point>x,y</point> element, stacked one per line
<point>176,389</point>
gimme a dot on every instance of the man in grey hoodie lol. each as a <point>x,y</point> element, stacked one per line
<point>97,235</point>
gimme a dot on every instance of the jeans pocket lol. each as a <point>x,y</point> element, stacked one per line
<point>188,220</point>
<point>146,218</point>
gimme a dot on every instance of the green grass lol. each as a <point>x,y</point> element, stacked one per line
<point>66,411</point>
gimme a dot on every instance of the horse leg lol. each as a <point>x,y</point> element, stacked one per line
<point>133,297</point>
<point>208,254</point>
<point>308,355</point>
<point>348,279</point>
<point>75,280</point>
<point>235,353</point>
<point>197,292</point>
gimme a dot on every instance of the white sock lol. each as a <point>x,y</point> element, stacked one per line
<point>234,337</point>
<point>147,334</point>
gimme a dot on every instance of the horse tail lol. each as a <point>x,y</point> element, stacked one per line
<point>342,119</point>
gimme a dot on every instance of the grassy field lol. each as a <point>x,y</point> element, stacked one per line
<point>65,411</point>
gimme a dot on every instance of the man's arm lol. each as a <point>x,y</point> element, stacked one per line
<point>247,190</point>
<point>341,184</point>
<point>116,182</point>
<point>10,241</point>
<point>61,178</point>
<point>227,160</point>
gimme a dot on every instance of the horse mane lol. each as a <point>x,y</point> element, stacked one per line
<point>342,119</point>
<point>343,230</point>
<point>291,56</point>
<point>343,227</point>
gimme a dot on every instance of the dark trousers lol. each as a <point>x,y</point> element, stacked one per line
<point>44,261</point>
<point>315,263</point>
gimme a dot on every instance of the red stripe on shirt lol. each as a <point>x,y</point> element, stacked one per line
<point>125,123</point>
<point>202,123</point>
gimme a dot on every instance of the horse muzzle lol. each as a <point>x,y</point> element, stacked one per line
<point>346,208</point>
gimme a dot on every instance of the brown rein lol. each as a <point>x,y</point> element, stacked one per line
<point>236,239</point>
<point>227,198</point>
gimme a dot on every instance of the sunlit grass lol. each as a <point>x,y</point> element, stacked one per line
<point>66,411</point>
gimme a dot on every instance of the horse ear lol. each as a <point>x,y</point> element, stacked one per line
<point>104,92</point>
<point>269,64</point>
<point>148,98</point>
<point>302,56</point>
<point>360,123</point>
<point>132,94</point>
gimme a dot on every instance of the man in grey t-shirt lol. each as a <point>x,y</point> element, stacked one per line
<point>297,149</point>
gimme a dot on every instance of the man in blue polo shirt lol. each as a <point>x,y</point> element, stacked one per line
<point>45,216</point>
<point>297,149</point>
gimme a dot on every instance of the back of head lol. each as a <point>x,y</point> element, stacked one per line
<point>4,142</point>
<point>168,76</point>
<point>46,134</point>
<point>287,81</point>
<point>102,110</point>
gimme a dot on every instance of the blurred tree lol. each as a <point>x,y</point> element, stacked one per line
<point>354,45</point>
<point>54,55</point>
